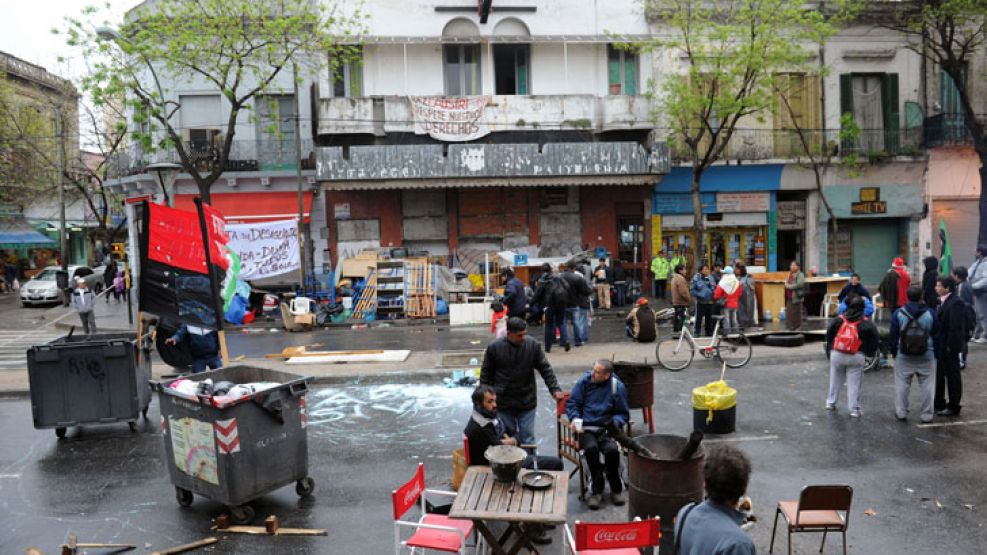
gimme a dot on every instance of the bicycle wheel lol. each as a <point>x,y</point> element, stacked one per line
<point>734,350</point>
<point>674,353</point>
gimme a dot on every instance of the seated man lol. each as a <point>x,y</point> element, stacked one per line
<point>641,322</point>
<point>713,527</point>
<point>599,399</point>
<point>485,429</point>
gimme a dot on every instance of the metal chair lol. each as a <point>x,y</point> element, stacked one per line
<point>568,444</point>
<point>431,531</point>
<point>613,538</point>
<point>824,508</point>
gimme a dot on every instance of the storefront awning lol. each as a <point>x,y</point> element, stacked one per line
<point>262,206</point>
<point>763,177</point>
<point>562,181</point>
<point>16,233</point>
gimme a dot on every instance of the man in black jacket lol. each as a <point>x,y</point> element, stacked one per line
<point>514,297</point>
<point>485,429</point>
<point>577,309</point>
<point>950,340</point>
<point>552,294</point>
<point>508,366</point>
<point>929,281</point>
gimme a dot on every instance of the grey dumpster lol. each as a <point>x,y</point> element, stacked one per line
<point>79,380</point>
<point>234,453</point>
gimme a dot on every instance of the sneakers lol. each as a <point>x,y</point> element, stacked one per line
<point>595,501</point>
<point>830,406</point>
<point>855,413</point>
<point>947,412</point>
<point>618,498</point>
<point>980,340</point>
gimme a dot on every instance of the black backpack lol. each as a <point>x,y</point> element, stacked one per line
<point>558,291</point>
<point>914,338</point>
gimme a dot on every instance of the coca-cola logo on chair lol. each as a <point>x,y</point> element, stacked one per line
<point>612,536</point>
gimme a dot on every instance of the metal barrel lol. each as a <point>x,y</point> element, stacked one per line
<point>662,486</point>
<point>639,379</point>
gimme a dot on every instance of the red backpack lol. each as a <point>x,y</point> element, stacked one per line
<point>847,339</point>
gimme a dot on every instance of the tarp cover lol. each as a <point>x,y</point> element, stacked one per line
<point>15,233</point>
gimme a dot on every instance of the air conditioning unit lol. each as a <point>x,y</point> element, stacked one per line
<point>265,181</point>
<point>231,181</point>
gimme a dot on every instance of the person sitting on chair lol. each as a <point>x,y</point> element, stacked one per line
<point>599,399</point>
<point>640,323</point>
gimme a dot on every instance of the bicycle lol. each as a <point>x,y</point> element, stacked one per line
<point>676,353</point>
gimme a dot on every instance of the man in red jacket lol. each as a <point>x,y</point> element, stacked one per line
<point>904,280</point>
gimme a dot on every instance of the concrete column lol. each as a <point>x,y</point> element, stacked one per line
<point>812,245</point>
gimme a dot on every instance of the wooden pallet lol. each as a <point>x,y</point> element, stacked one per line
<point>421,292</point>
<point>368,298</point>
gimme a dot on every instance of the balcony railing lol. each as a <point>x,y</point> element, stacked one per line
<point>948,130</point>
<point>775,144</point>
<point>245,155</point>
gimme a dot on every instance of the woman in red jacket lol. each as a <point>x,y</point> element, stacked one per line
<point>729,289</point>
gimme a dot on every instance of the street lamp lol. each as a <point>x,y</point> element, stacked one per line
<point>167,173</point>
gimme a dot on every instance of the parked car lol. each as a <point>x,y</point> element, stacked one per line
<point>43,287</point>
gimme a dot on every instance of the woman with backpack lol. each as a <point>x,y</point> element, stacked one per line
<point>848,338</point>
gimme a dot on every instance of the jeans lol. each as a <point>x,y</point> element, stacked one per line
<point>980,307</point>
<point>704,312</point>
<point>849,368</point>
<point>660,288</point>
<point>949,382</point>
<point>905,368</point>
<point>88,322</point>
<point>620,290</point>
<point>555,318</point>
<point>573,316</point>
<point>599,443</point>
<point>199,364</point>
<point>519,424</point>
<point>730,321</point>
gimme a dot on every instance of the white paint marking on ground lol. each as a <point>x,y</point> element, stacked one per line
<point>947,424</point>
<point>741,438</point>
<point>10,476</point>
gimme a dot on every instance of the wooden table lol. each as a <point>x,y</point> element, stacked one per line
<point>483,499</point>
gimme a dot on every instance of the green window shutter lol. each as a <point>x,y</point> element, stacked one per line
<point>892,112</point>
<point>846,93</point>
<point>630,74</point>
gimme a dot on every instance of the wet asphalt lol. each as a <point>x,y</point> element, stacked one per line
<point>917,490</point>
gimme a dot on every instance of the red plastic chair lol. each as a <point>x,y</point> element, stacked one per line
<point>431,531</point>
<point>613,538</point>
<point>466,449</point>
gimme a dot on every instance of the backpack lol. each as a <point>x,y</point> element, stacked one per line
<point>847,339</point>
<point>558,291</point>
<point>914,338</point>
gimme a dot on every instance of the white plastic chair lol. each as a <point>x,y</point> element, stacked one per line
<point>830,304</point>
<point>301,305</point>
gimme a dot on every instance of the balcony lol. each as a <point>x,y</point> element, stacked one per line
<point>763,145</point>
<point>245,156</point>
<point>948,130</point>
<point>392,114</point>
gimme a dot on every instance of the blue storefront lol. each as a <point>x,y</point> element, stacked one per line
<point>740,210</point>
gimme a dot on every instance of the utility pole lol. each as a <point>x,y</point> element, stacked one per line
<point>62,239</point>
<point>298,176</point>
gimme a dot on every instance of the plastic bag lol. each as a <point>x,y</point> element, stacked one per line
<point>16,286</point>
<point>458,467</point>
<point>714,396</point>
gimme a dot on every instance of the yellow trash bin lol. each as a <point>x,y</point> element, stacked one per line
<point>714,408</point>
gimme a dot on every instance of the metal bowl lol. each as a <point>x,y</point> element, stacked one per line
<point>505,461</point>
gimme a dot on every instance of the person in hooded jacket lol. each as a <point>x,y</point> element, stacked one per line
<point>904,280</point>
<point>552,294</point>
<point>929,281</point>
<point>729,288</point>
<point>913,365</point>
<point>845,366</point>
<point>514,297</point>
<point>203,344</point>
<point>855,288</point>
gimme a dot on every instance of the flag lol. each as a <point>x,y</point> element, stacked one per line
<point>179,281</point>
<point>945,252</point>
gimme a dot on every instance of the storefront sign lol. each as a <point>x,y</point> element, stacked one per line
<point>743,202</point>
<point>265,249</point>
<point>870,202</point>
<point>656,234</point>
<point>791,215</point>
<point>449,118</point>
<point>681,203</point>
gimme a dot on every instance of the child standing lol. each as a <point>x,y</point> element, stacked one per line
<point>119,286</point>
<point>498,324</point>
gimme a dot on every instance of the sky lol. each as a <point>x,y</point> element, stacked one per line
<point>25,30</point>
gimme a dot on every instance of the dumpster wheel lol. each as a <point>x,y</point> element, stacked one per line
<point>305,486</point>
<point>60,432</point>
<point>183,496</point>
<point>242,514</point>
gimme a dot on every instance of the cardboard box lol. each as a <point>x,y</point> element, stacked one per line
<point>305,319</point>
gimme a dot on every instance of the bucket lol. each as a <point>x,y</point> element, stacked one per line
<point>347,303</point>
<point>639,379</point>
<point>663,485</point>
<point>714,408</point>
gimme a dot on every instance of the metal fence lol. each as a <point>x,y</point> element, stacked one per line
<point>246,155</point>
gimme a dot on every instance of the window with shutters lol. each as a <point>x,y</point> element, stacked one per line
<point>797,114</point>
<point>622,70</point>
<point>952,107</point>
<point>872,100</point>
<point>512,67</point>
<point>462,69</point>
<point>346,72</point>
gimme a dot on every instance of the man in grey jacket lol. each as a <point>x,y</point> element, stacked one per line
<point>509,365</point>
<point>84,301</point>
<point>978,282</point>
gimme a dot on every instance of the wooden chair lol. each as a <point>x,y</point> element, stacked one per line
<point>819,509</point>
<point>431,531</point>
<point>568,444</point>
<point>613,538</point>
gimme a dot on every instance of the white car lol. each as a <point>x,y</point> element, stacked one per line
<point>43,287</point>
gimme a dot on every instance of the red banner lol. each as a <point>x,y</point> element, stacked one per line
<point>175,238</point>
